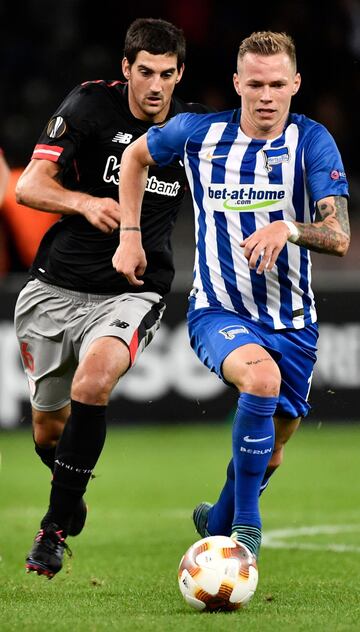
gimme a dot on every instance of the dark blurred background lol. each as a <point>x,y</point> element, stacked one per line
<point>48,47</point>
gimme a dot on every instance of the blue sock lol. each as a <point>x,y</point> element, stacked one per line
<point>221,514</point>
<point>253,443</point>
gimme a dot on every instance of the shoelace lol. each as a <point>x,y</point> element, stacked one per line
<point>49,541</point>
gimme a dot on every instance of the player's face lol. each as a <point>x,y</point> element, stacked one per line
<point>152,79</point>
<point>266,85</point>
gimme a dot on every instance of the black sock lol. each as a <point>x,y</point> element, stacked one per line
<point>47,455</point>
<point>77,453</point>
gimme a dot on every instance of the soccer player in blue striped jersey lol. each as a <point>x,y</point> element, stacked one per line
<point>268,187</point>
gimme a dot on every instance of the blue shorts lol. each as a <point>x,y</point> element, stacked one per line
<point>215,332</point>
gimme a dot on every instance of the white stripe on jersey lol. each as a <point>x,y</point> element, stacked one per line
<point>212,137</point>
<point>200,173</point>
<point>243,281</point>
<point>288,172</point>
<point>307,218</point>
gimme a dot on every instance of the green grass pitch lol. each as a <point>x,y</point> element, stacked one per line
<point>123,573</point>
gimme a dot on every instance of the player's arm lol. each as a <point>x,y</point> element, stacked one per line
<point>4,177</point>
<point>40,187</point>
<point>331,234</point>
<point>129,258</point>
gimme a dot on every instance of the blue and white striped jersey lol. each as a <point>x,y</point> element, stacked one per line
<point>239,184</point>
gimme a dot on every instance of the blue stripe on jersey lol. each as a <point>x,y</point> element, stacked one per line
<point>248,226</point>
<point>298,201</point>
<point>275,175</point>
<point>285,310</point>
<point>227,263</point>
<point>204,272</point>
<point>222,234</point>
<point>304,281</point>
<point>298,198</point>
<point>285,284</point>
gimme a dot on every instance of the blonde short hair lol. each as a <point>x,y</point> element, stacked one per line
<point>268,43</point>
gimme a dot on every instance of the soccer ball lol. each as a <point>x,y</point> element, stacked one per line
<point>217,573</point>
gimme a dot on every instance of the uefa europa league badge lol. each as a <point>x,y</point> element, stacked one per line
<point>56,127</point>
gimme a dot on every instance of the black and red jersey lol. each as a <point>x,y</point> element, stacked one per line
<point>86,137</point>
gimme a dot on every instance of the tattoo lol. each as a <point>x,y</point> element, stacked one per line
<point>331,234</point>
<point>258,361</point>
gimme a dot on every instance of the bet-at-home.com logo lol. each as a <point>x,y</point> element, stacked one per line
<point>245,197</point>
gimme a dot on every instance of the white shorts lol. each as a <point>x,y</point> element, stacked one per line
<point>55,327</point>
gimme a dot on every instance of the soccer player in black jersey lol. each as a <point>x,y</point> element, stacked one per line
<point>79,323</point>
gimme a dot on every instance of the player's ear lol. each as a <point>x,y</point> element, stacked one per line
<point>297,83</point>
<point>125,68</point>
<point>180,73</point>
<point>236,83</point>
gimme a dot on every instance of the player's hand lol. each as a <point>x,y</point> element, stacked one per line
<point>129,258</point>
<point>263,247</point>
<point>103,213</point>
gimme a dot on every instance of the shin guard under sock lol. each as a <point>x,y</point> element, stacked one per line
<point>77,453</point>
<point>253,443</point>
<point>221,514</point>
<point>47,455</point>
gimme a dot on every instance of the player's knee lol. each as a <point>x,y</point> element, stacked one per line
<point>46,438</point>
<point>47,429</point>
<point>91,389</point>
<point>262,384</point>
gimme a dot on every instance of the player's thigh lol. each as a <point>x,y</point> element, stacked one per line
<point>105,361</point>
<point>46,345</point>
<point>252,370</point>
<point>131,317</point>
<point>116,333</point>
<point>231,346</point>
<point>298,349</point>
<point>48,425</point>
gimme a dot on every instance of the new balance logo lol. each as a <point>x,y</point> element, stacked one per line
<point>119,323</point>
<point>249,440</point>
<point>123,138</point>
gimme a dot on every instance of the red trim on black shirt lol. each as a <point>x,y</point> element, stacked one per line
<point>47,152</point>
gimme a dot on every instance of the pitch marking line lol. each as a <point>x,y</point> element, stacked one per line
<point>281,538</point>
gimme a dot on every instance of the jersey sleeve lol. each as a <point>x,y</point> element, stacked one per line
<point>72,123</point>
<point>166,143</point>
<point>324,167</point>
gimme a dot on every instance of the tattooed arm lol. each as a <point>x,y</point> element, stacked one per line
<point>331,234</point>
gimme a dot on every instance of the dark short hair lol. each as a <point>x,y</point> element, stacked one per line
<point>157,37</point>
